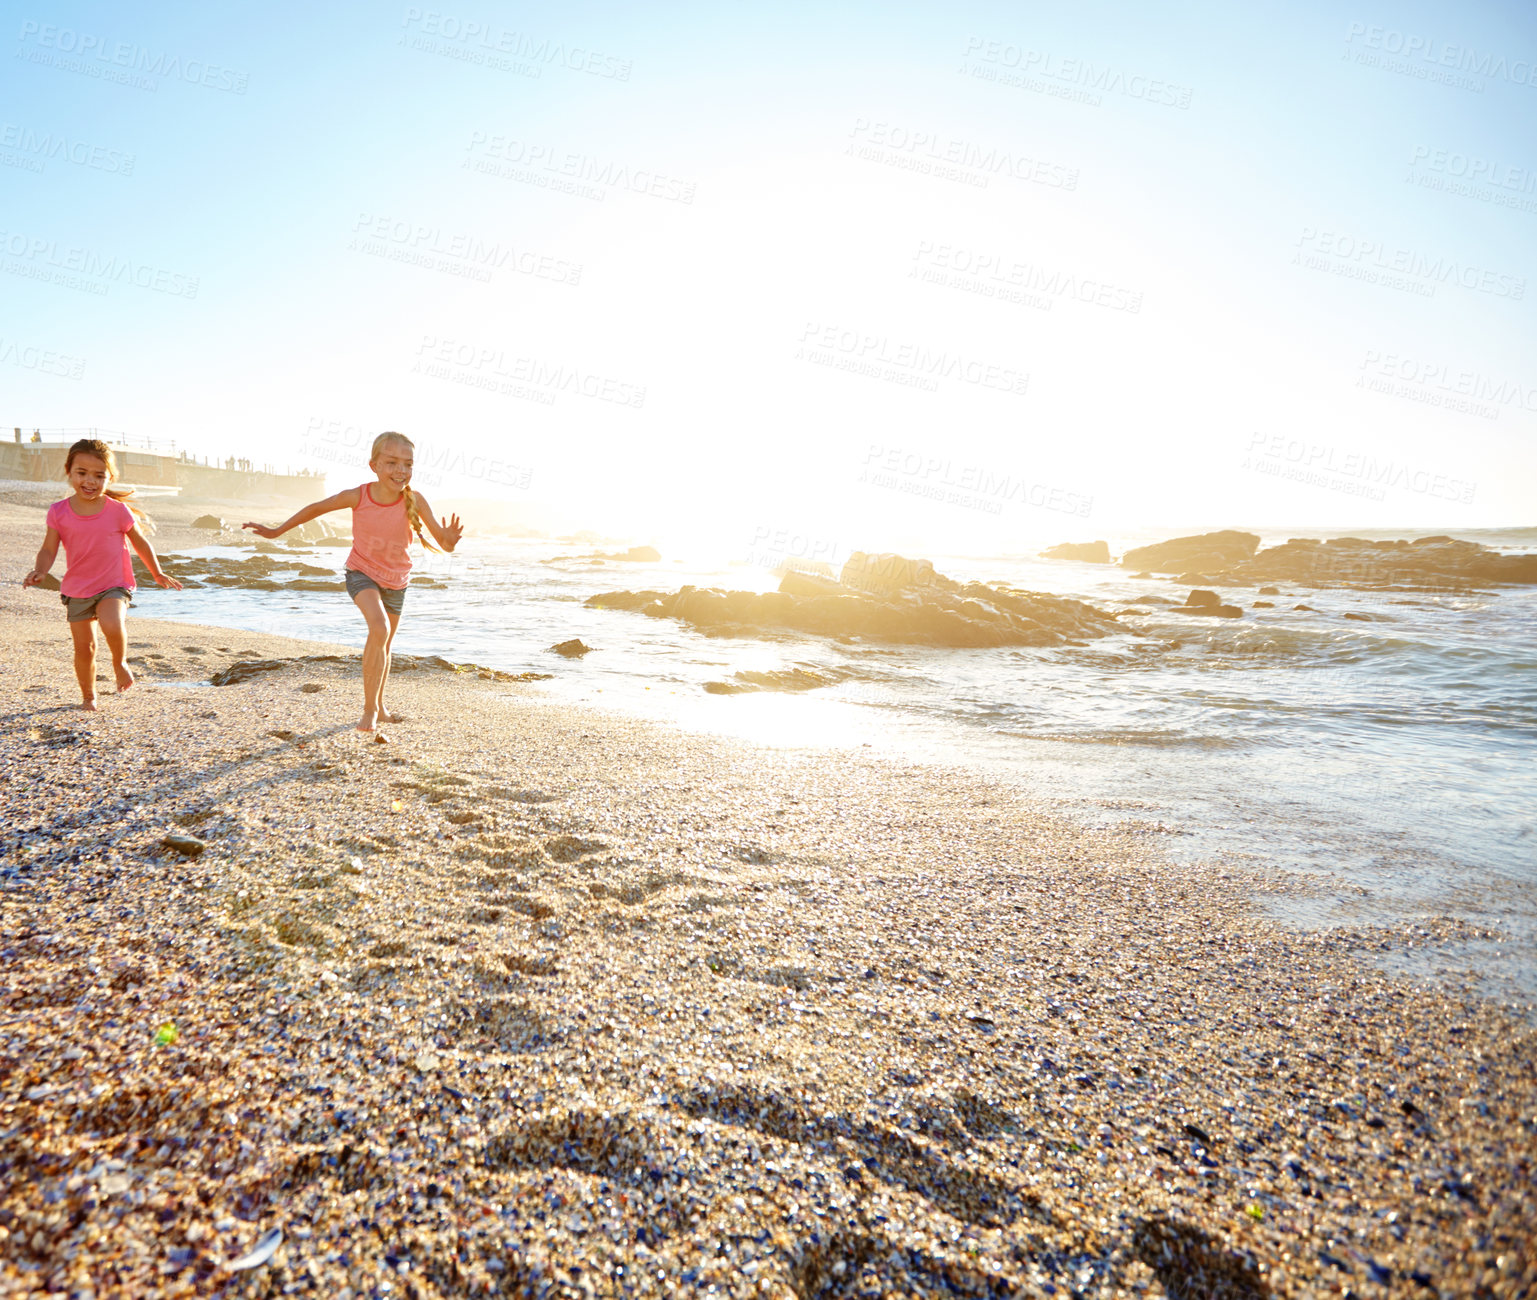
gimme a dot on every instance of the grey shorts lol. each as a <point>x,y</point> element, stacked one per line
<point>82,609</point>
<point>394,598</point>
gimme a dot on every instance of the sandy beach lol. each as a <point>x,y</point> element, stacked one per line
<point>541,1001</point>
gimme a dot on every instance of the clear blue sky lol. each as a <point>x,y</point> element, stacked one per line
<point>1188,207</point>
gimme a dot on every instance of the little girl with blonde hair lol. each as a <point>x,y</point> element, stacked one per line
<point>96,525</point>
<point>385,516</point>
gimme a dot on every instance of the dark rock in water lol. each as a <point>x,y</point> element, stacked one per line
<point>312,531</point>
<point>796,583</point>
<point>187,845</point>
<point>1209,551</point>
<point>1264,604</point>
<point>211,522</point>
<point>1150,600</point>
<point>1206,602</point>
<point>885,573</point>
<point>1364,618</point>
<point>916,606</point>
<point>1309,608</point>
<point>314,584</point>
<point>244,670</point>
<point>1086,552</point>
<point>573,649</point>
<point>1269,591</point>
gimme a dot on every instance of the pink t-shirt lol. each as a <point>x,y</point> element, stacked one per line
<point>380,538</point>
<point>96,555</point>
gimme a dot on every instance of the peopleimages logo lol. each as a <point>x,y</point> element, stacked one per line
<point>45,147</point>
<point>1354,472</point>
<point>951,158</point>
<point>490,42</point>
<point>1081,73</point>
<point>1431,55</point>
<point>44,361</point>
<point>494,370</point>
<point>454,252</point>
<point>550,167</point>
<point>1372,260</point>
<point>82,268</point>
<point>879,356</point>
<point>83,52</point>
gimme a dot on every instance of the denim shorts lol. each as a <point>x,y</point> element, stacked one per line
<point>82,609</point>
<point>394,597</point>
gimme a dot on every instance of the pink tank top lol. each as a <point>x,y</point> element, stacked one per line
<point>95,547</point>
<point>380,538</point>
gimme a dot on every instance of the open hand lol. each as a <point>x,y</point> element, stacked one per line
<point>33,578</point>
<point>164,581</point>
<point>453,530</point>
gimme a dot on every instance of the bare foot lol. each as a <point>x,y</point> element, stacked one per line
<point>386,716</point>
<point>89,704</point>
<point>124,677</point>
<point>368,722</point>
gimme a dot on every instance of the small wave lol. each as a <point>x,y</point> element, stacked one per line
<point>798,678</point>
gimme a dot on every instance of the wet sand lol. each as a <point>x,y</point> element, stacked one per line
<point>532,1000</point>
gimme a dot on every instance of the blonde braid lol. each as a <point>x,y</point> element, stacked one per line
<point>416,520</point>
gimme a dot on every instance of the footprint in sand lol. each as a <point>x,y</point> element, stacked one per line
<point>571,848</point>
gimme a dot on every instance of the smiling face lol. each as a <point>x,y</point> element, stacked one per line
<point>88,475</point>
<point>393,465</point>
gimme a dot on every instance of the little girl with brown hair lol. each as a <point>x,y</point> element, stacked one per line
<point>96,525</point>
<point>385,515</point>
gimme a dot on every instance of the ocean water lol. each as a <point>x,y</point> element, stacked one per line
<point>1391,761</point>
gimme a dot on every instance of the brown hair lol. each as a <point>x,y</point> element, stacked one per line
<point>412,514</point>
<point>96,447</point>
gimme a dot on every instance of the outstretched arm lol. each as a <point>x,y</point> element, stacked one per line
<point>347,500</point>
<point>46,555</point>
<point>446,535</point>
<point>140,543</point>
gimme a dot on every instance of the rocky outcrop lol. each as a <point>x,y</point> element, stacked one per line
<point>1231,559</point>
<point>258,572</point>
<point>1084,552</point>
<point>797,583</point>
<point>914,605</point>
<point>211,522</point>
<point>1356,562</point>
<point>885,573</point>
<point>572,649</point>
<point>1206,553</point>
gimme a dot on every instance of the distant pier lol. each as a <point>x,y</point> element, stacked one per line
<point>157,468</point>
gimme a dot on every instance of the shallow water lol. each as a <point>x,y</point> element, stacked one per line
<point>1393,758</point>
